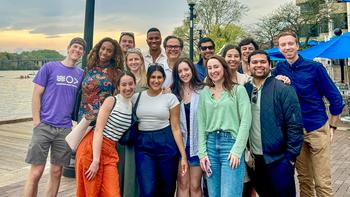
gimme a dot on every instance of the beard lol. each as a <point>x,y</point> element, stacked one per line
<point>264,76</point>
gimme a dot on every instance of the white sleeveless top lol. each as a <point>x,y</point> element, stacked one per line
<point>119,120</point>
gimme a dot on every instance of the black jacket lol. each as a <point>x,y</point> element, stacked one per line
<point>281,122</point>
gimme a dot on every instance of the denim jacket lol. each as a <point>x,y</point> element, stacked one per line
<point>193,124</point>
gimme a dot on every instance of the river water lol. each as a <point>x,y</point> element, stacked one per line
<point>15,94</point>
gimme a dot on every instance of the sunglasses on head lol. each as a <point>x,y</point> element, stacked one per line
<point>203,48</point>
<point>127,33</point>
<point>254,98</point>
<point>133,50</point>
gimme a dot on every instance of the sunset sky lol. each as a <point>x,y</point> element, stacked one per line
<point>50,24</point>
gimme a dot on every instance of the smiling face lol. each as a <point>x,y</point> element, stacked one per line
<point>133,62</point>
<point>126,42</point>
<point>246,50</point>
<point>206,50</point>
<point>259,66</point>
<point>173,48</point>
<point>289,47</point>
<point>126,86</point>
<point>185,72</point>
<point>75,51</point>
<point>156,80</point>
<point>154,40</point>
<point>233,58</point>
<point>215,70</point>
<point>106,52</point>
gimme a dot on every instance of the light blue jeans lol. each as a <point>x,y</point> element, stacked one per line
<point>224,181</point>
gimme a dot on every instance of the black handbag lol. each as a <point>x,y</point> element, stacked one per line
<point>129,136</point>
<point>75,112</point>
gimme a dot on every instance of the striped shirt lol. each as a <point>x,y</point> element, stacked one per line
<point>119,120</point>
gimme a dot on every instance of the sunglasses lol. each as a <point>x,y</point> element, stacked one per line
<point>254,98</point>
<point>204,48</point>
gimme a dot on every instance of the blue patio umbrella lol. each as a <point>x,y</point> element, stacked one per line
<point>275,54</point>
<point>310,43</point>
<point>336,48</point>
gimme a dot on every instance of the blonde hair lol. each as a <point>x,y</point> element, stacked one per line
<point>142,81</point>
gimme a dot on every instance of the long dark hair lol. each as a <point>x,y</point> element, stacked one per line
<point>153,68</point>
<point>228,83</point>
<point>195,82</point>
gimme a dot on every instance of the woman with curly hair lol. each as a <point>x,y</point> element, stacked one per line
<point>104,66</point>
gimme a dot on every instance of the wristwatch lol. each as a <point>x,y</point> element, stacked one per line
<point>333,127</point>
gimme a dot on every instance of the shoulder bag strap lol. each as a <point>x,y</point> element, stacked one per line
<point>136,103</point>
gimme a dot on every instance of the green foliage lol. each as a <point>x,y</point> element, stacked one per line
<point>226,34</point>
<point>28,60</point>
<point>215,19</point>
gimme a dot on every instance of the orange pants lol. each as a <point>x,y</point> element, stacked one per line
<point>106,181</point>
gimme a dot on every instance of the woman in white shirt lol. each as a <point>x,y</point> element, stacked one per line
<point>159,140</point>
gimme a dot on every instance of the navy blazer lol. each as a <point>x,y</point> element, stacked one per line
<point>280,119</point>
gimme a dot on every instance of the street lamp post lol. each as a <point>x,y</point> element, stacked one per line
<point>69,170</point>
<point>191,4</point>
<point>338,32</point>
<point>89,27</point>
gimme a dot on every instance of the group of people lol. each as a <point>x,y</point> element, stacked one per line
<point>227,126</point>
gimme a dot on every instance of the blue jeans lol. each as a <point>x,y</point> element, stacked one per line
<point>224,181</point>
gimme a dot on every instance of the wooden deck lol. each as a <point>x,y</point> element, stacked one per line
<point>14,139</point>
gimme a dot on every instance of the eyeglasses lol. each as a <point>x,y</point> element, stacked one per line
<point>254,98</point>
<point>204,48</point>
<point>172,46</point>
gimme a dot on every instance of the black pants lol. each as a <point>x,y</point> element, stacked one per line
<point>274,179</point>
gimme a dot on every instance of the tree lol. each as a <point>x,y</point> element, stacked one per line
<point>214,17</point>
<point>306,20</point>
<point>219,12</point>
<point>267,29</point>
<point>225,34</point>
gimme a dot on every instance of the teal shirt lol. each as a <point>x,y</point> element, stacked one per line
<point>231,113</point>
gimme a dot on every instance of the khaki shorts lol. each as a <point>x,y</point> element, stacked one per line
<point>46,136</point>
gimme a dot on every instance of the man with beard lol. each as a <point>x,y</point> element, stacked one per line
<point>206,48</point>
<point>155,54</point>
<point>276,135</point>
<point>312,83</point>
<point>126,41</point>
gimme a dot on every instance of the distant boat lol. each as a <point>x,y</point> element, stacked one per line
<point>32,73</point>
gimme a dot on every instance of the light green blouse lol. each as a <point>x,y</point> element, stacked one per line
<point>231,113</point>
